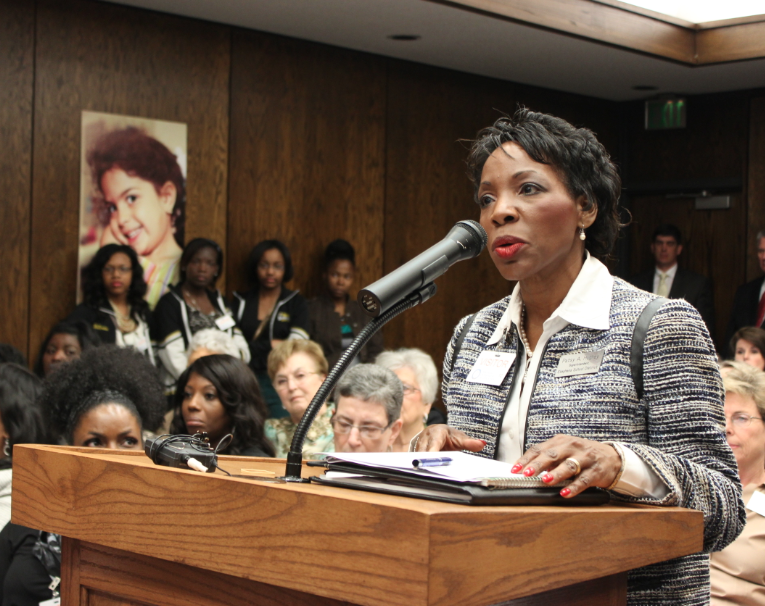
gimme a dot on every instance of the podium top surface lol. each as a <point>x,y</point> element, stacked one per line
<point>361,547</point>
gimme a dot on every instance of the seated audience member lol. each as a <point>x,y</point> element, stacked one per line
<point>105,399</point>
<point>666,279</point>
<point>209,342</point>
<point>738,571</point>
<point>336,319</point>
<point>419,376</point>
<point>192,305</point>
<point>297,368</point>
<point>367,411</point>
<point>269,313</point>
<point>748,346</point>
<point>749,300</point>
<point>114,306</point>
<point>21,422</point>
<point>10,355</point>
<point>219,395</point>
<point>65,342</point>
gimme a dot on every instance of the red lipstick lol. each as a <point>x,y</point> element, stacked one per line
<point>507,247</point>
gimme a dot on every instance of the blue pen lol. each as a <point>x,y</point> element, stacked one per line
<point>433,462</point>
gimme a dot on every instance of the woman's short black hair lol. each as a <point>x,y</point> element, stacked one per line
<point>753,334</point>
<point>93,287</point>
<point>85,334</point>
<point>193,248</point>
<point>240,395</point>
<point>94,379</point>
<point>257,254</point>
<point>19,409</point>
<point>339,250</point>
<point>580,160</point>
<point>10,354</point>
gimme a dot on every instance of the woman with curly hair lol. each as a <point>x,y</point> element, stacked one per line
<point>219,395</point>
<point>105,399</point>
<point>114,302</point>
<point>142,200</point>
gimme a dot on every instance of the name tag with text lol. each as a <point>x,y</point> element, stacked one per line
<point>491,367</point>
<point>225,322</point>
<point>579,363</point>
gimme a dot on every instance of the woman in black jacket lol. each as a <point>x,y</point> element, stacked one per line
<point>114,305</point>
<point>269,313</point>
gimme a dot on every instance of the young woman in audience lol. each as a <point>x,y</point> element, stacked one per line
<point>219,395</point>
<point>368,408</point>
<point>297,368</point>
<point>748,346</point>
<point>738,571</point>
<point>193,305</point>
<point>65,342</point>
<point>336,319</point>
<point>142,202</point>
<point>269,313</point>
<point>419,376</point>
<point>114,304</point>
<point>105,399</point>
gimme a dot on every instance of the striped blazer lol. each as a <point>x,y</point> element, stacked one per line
<point>675,428</point>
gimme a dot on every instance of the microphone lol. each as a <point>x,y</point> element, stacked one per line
<point>464,241</point>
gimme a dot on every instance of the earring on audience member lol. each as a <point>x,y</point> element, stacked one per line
<point>425,419</point>
<point>6,447</point>
<point>582,235</point>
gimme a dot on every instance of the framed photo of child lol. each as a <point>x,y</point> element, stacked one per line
<point>133,192</point>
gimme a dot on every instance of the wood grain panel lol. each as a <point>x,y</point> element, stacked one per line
<point>16,94</point>
<point>101,57</point>
<point>756,185</point>
<point>307,154</point>
<point>732,43</point>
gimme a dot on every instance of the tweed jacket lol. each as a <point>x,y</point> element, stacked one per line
<point>675,428</point>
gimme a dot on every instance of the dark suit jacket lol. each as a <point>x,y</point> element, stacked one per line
<point>744,312</point>
<point>688,285</point>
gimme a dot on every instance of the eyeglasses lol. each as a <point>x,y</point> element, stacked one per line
<point>409,389</point>
<point>265,266</point>
<point>367,432</point>
<point>121,269</point>
<point>741,420</point>
<point>282,382</point>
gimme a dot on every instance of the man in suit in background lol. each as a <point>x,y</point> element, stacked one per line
<point>669,280</point>
<point>749,302</point>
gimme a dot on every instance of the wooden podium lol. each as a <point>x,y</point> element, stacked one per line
<point>139,534</point>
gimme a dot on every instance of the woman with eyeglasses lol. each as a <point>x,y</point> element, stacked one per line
<point>368,409</point>
<point>738,571</point>
<point>419,376</point>
<point>297,368</point>
<point>114,305</point>
<point>269,313</point>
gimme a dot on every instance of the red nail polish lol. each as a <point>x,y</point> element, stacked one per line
<point>516,468</point>
<point>528,472</point>
<point>565,492</point>
<point>484,442</point>
<point>547,478</point>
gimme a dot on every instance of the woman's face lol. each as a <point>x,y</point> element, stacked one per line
<point>117,275</point>
<point>61,348</point>
<point>530,218</point>
<point>749,354</point>
<point>746,438</point>
<point>203,268</point>
<point>339,277</point>
<point>202,409</point>
<point>271,269</point>
<point>297,382</point>
<point>361,426</point>
<point>140,216</point>
<point>108,425</point>
<point>413,409</point>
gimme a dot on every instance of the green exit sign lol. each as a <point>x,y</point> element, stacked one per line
<point>662,114</point>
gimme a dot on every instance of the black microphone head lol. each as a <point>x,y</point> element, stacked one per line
<point>479,238</point>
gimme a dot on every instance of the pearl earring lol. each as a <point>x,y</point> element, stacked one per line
<point>582,235</point>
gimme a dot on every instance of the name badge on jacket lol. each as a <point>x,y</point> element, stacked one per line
<point>491,367</point>
<point>579,363</point>
<point>225,322</point>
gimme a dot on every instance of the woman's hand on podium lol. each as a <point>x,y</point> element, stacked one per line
<point>442,437</point>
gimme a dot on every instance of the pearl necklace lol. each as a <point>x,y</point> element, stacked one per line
<point>524,340</point>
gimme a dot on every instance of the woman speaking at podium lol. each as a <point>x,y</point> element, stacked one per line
<point>543,378</point>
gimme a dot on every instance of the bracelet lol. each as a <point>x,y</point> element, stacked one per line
<point>618,448</point>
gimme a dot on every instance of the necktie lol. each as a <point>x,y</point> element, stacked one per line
<point>761,310</point>
<point>663,291</point>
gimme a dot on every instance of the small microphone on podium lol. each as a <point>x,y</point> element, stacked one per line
<point>465,241</point>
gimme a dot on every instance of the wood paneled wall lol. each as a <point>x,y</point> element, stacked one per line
<point>307,143</point>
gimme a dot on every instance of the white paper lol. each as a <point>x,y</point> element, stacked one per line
<point>491,367</point>
<point>225,322</point>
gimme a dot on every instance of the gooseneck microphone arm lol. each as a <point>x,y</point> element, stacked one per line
<point>295,455</point>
